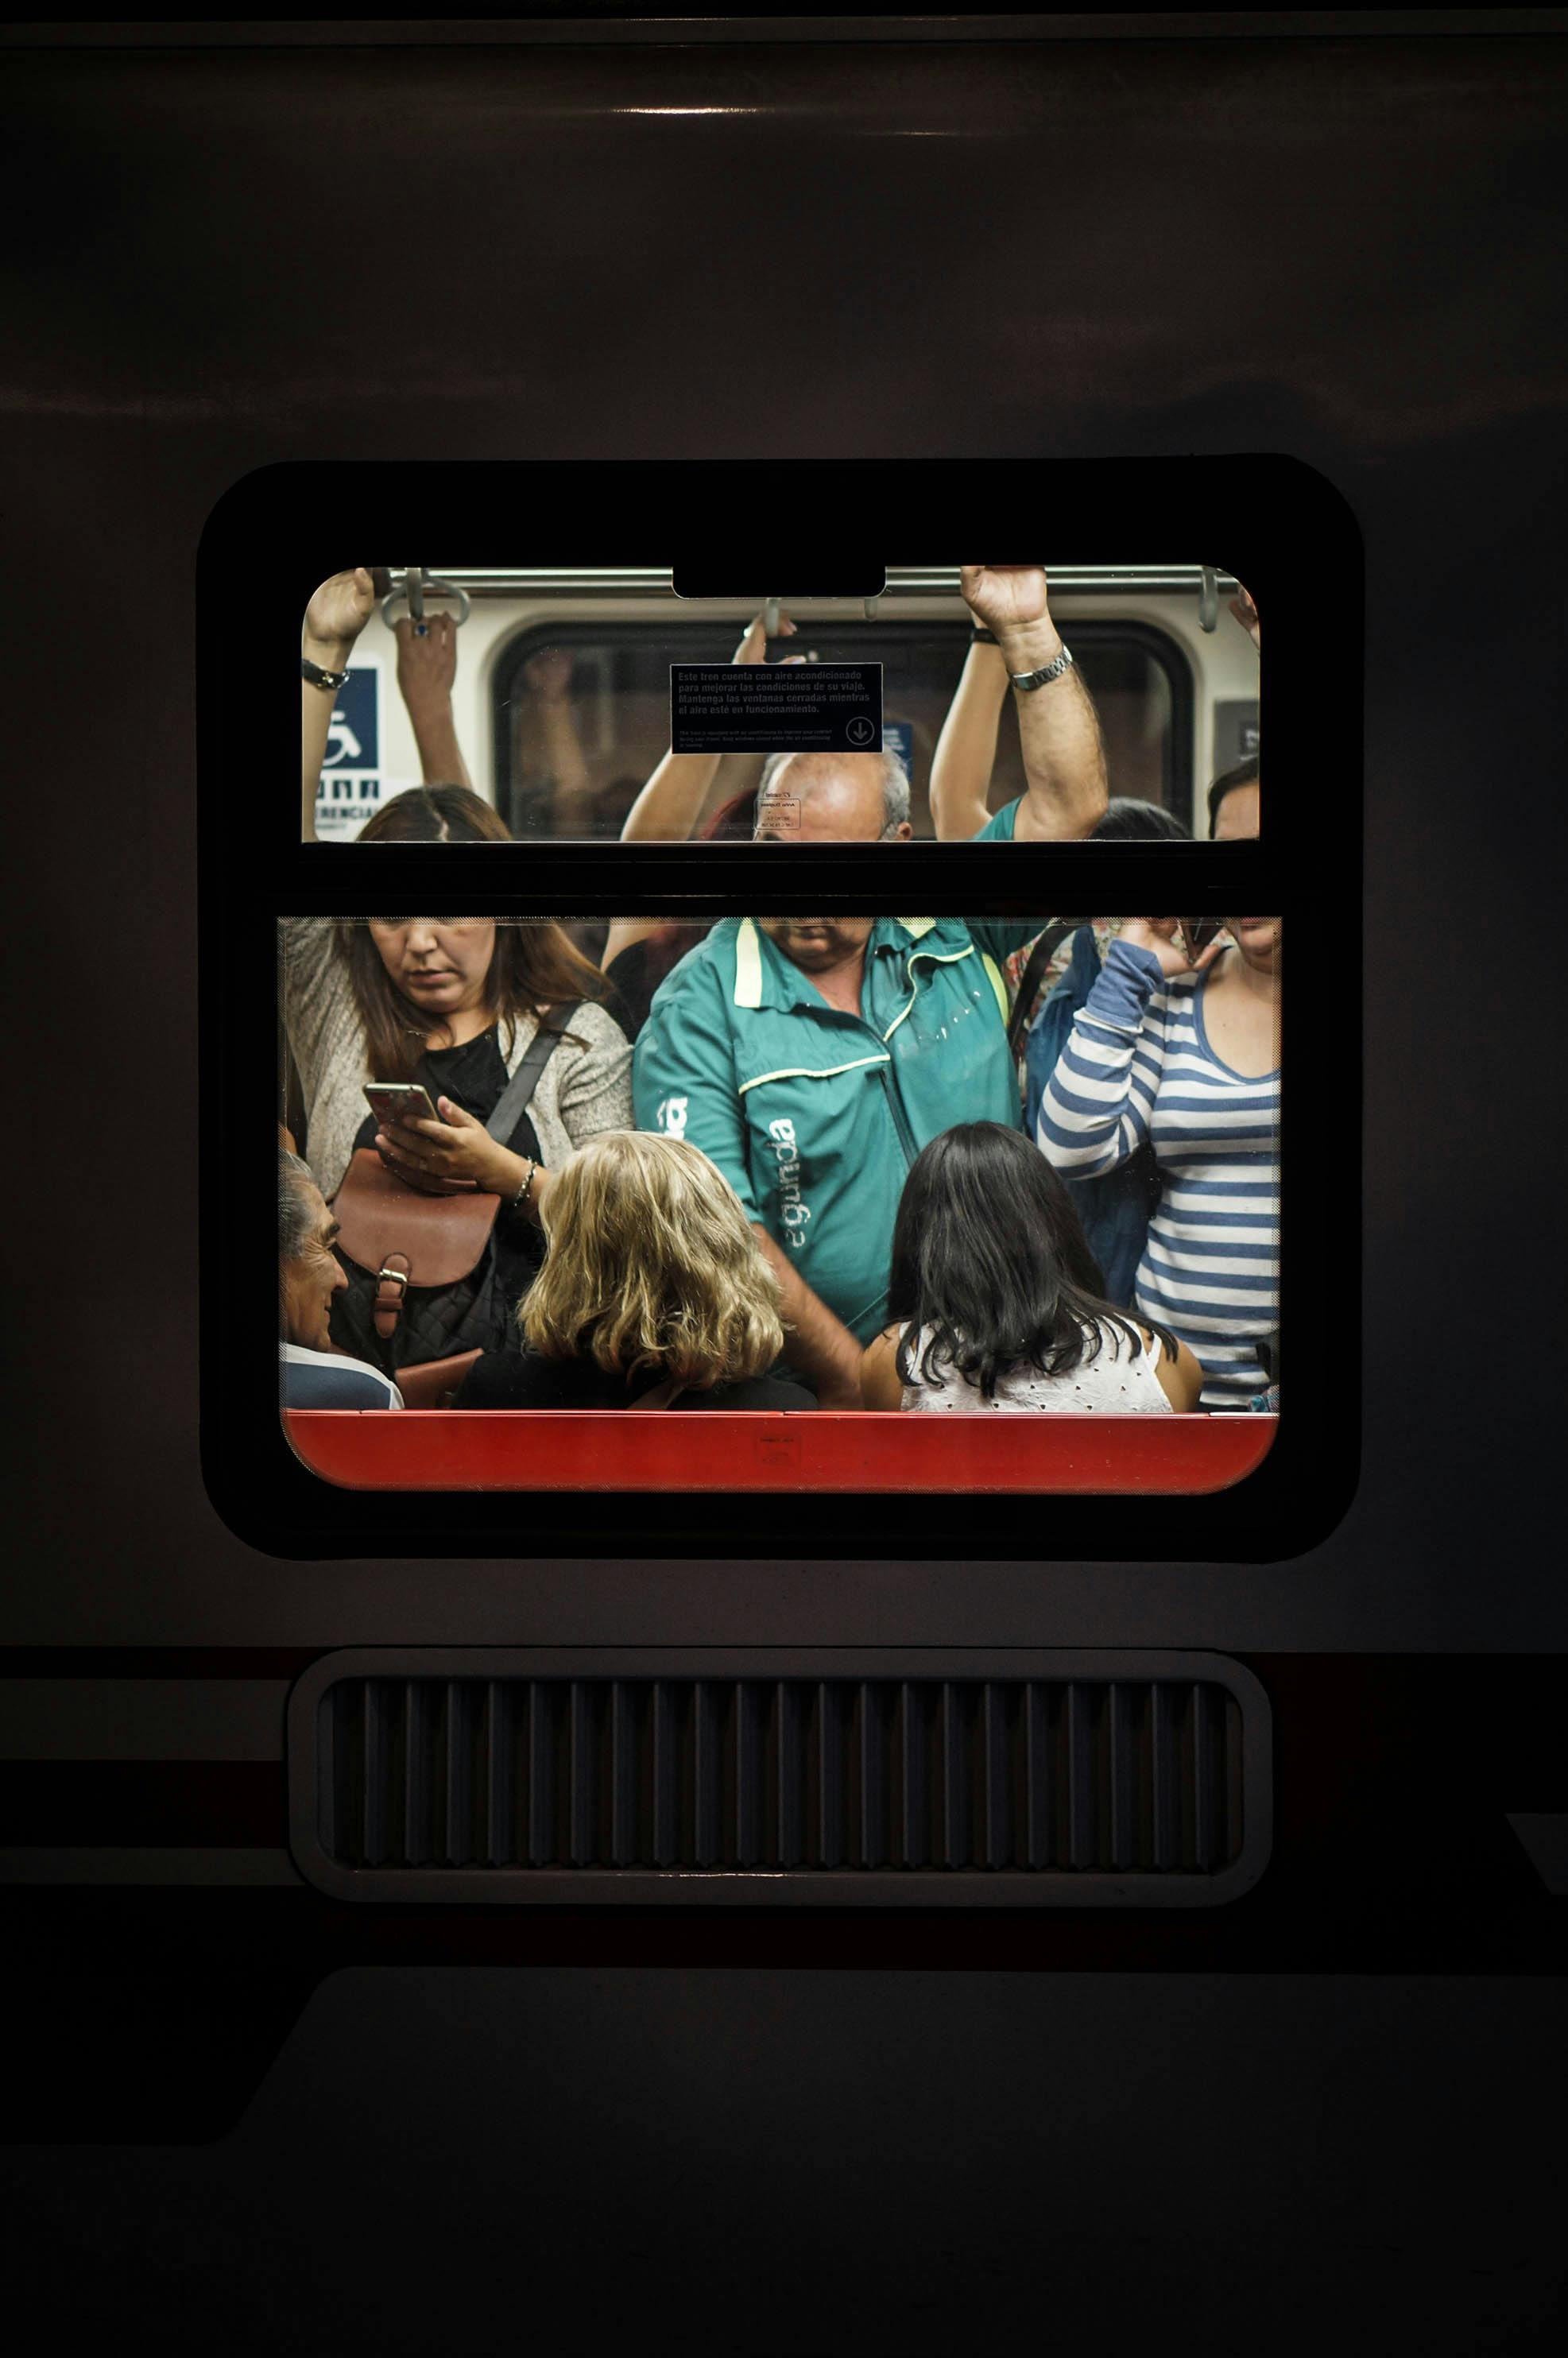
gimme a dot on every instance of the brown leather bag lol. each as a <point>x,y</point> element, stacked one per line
<point>404,1238</point>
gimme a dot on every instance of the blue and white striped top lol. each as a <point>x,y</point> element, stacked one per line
<point>1138,1065</point>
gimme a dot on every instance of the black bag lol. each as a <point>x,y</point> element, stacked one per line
<point>384,1317</point>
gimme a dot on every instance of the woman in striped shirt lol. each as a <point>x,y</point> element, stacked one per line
<point>1186,1053</point>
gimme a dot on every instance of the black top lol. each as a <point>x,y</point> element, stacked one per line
<point>473,1075</point>
<point>633,986</point>
<point>525,1380</point>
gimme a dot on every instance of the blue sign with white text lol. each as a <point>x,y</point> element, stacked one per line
<point>349,788</point>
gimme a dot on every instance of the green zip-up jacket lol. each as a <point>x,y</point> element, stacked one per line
<point>814,1115</point>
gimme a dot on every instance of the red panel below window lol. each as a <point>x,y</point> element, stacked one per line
<point>720,1450</point>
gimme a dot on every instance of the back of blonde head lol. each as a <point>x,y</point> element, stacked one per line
<point>650,1262</point>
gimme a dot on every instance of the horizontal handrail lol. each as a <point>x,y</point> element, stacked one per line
<point>903,581</point>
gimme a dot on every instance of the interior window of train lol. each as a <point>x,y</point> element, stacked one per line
<point>599,705</point>
<point>1016,1177</point>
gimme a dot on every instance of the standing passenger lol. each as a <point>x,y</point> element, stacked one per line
<point>1186,1054</point>
<point>812,1058</point>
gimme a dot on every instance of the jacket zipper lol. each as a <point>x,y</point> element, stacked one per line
<point>905,1135</point>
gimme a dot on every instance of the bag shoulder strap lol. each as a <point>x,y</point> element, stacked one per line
<point>662,1395</point>
<point>517,1097</point>
<point>1028,983</point>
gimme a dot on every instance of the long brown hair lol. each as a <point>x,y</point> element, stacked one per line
<point>534,966</point>
<point>436,815</point>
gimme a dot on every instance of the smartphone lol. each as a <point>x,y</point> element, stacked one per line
<point>400,1101</point>
<point>1198,932</point>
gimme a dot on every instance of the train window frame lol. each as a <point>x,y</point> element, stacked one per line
<point>699,642</point>
<point>1281,527</point>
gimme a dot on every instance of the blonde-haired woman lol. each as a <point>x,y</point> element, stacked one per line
<point>653,1291</point>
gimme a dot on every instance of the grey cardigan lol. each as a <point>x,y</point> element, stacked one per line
<point>581,1092</point>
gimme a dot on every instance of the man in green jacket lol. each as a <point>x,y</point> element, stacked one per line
<point>811,1058</point>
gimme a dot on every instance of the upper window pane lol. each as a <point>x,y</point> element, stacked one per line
<point>549,697</point>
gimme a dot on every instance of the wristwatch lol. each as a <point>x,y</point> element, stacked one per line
<point>320,678</point>
<point>1032,679</point>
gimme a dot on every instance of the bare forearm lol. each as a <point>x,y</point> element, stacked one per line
<point>670,805</point>
<point>315,724</point>
<point>336,615</point>
<point>1059,733</point>
<point>441,762</point>
<point>966,750</point>
<point>562,750</point>
<point>818,1343</point>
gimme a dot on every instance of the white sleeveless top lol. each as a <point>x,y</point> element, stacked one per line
<point>1119,1380</point>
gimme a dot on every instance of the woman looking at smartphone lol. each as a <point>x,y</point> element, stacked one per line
<point>453,1002</point>
<point>1185,1053</point>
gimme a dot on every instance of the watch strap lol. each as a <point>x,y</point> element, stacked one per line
<point>317,677</point>
<point>1029,680</point>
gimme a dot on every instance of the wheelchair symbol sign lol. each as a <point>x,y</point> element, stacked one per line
<point>353,739</point>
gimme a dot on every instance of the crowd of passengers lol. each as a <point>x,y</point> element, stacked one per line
<point>904,1164</point>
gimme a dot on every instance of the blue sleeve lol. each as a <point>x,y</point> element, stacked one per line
<point>683,1082</point>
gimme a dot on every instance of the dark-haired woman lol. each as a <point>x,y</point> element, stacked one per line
<point>457,1000</point>
<point>997,1304</point>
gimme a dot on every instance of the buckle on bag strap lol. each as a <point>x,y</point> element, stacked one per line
<point>391,1285</point>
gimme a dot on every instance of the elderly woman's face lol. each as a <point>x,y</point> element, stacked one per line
<point>309,1283</point>
<point>438,963</point>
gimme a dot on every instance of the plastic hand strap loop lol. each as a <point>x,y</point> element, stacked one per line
<point>416,585</point>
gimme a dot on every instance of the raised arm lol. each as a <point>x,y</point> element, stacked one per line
<point>1058,728</point>
<point>1095,1112</point>
<point>427,668</point>
<point>548,679</point>
<point>671,802</point>
<point>333,621</point>
<point>966,750</point>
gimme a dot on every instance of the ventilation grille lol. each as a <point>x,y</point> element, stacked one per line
<point>708,1778</point>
